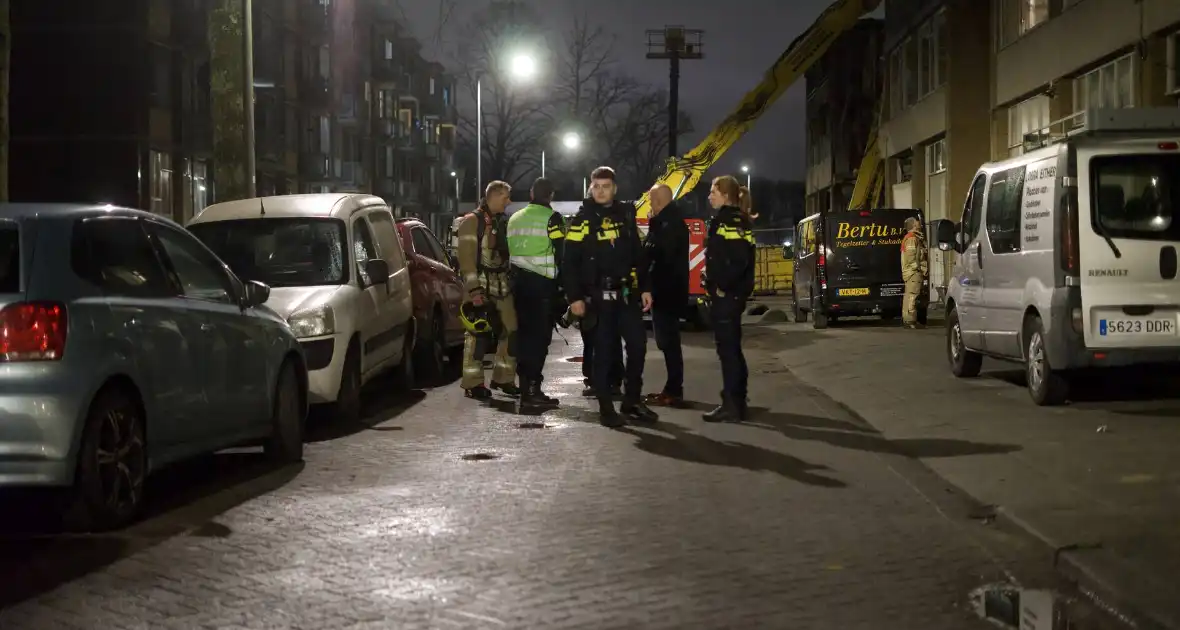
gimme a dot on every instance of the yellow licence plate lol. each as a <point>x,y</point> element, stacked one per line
<point>848,292</point>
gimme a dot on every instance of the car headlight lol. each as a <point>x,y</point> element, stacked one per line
<point>315,322</point>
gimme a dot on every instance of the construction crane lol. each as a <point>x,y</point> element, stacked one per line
<point>683,173</point>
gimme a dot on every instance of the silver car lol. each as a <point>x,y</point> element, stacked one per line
<point>126,345</point>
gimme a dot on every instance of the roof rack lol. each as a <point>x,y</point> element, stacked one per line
<point>1097,121</point>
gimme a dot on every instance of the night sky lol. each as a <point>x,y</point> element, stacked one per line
<point>742,38</point>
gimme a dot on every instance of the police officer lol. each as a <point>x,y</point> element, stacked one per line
<point>667,252</point>
<point>914,266</point>
<point>535,237</point>
<point>483,264</point>
<point>605,270</point>
<point>729,268</point>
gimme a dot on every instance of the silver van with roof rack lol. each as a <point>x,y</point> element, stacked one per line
<point>1067,254</point>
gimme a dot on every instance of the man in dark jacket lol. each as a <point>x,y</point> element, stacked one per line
<point>667,251</point>
<point>606,270</point>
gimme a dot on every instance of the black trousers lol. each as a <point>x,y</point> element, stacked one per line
<point>534,295</point>
<point>727,333</point>
<point>620,320</point>
<point>665,323</point>
<point>616,373</point>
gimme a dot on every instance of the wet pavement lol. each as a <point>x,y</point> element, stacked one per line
<point>437,512</point>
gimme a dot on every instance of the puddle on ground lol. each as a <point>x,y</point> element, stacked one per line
<point>1007,605</point>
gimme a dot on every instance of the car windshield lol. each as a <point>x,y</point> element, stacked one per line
<point>9,258</point>
<point>1136,196</point>
<point>280,252</point>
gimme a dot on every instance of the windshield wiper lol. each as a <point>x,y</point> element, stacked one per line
<point>1106,236</point>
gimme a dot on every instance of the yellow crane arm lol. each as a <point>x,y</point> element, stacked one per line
<point>869,190</point>
<point>683,173</point>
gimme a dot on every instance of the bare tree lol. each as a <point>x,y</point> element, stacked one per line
<point>515,118</point>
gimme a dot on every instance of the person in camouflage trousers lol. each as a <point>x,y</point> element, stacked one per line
<point>914,267</point>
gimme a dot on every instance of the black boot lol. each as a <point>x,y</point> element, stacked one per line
<point>608,416</point>
<point>479,392</point>
<point>509,389</point>
<point>725,412</point>
<point>638,411</point>
<point>532,396</point>
<point>544,398</point>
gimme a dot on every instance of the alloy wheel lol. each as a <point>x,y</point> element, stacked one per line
<point>119,457</point>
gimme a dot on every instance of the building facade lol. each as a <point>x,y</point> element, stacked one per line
<point>111,102</point>
<point>842,94</point>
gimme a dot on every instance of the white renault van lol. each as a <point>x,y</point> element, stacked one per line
<point>1067,254</point>
<point>338,275</point>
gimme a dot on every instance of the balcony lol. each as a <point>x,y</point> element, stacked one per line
<point>315,166</point>
<point>352,172</point>
<point>316,91</point>
<point>348,110</point>
<point>385,128</point>
<point>433,152</point>
<point>196,131</point>
<point>386,71</point>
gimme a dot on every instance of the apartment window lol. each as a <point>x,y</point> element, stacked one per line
<point>896,81</point>
<point>446,96</point>
<point>325,62</point>
<point>432,86</point>
<point>388,50</point>
<point>927,58</point>
<point>941,53</point>
<point>1109,86</point>
<point>1017,17</point>
<point>325,134</point>
<point>160,182</point>
<point>161,86</point>
<point>1173,61</point>
<point>200,192</point>
<point>936,157</point>
<point>1031,116</point>
<point>912,85</point>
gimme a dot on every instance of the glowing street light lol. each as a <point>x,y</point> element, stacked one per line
<point>523,66</point>
<point>746,170</point>
<point>571,141</point>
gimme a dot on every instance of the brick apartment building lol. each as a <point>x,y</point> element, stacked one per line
<point>111,101</point>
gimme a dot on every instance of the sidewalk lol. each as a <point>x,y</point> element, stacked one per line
<point>1098,480</point>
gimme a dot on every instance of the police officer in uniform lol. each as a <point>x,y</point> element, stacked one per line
<point>535,238</point>
<point>484,267</point>
<point>605,270</point>
<point>729,269</point>
<point>914,266</point>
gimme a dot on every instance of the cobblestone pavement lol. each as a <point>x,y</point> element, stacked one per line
<point>441,513</point>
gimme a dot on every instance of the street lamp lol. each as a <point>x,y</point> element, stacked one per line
<point>746,170</point>
<point>571,141</point>
<point>524,67</point>
<point>456,178</point>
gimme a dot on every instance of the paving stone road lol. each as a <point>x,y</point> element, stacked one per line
<point>441,513</point>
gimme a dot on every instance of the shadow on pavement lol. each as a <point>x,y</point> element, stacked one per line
<point>36,557</point>
<point>377,406</point>
<point>673,441</point>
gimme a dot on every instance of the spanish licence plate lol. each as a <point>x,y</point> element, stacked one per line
<point>1159,326</point>
<point>852,292</point>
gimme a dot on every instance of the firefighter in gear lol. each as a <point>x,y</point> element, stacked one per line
<point>535,237</point>
<point>729,265</point>
<point>483,265</point>
<point>605,270</point>
<point>914,266</point>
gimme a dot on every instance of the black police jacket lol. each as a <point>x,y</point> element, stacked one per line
<point>603,243</point>
<point>666,246</point>
<point>729,254</point>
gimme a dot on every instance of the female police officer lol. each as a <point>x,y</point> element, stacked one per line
<point>729,265</point>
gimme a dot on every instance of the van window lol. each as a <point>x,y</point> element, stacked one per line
<point>973,212</point>
<point>9,258</point>
<point>1004,197</point>
<point>389,241</point>
<point>286,252</point>
<point>363,249</point>
<point>1136,196</point>
<point>806,238</point>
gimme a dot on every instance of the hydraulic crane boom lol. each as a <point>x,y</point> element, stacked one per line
<point>684,172</point>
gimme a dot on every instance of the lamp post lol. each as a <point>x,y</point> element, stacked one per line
<point>455,176</point>
<point>522,66</point>
<point>746,170</point>
<point>571,141</point>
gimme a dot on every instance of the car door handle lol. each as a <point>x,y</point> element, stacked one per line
<point>979,255</point>
<point>206,327</point>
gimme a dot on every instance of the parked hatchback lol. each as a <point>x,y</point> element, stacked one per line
<point>126,345</point>
<point>438,294</point>
<point>338,275</point>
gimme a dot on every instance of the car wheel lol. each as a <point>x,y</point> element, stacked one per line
<point>348,399</point>
<point>285,445</point>
<point>1046,385</point>
<point>112,464</point>
<point>403,374</point>
<point>800,314</point>
<point>432,353</point>
<point>964,362</point>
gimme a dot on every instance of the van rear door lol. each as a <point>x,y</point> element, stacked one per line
<point>864,261</point>
<point>1129,232</point>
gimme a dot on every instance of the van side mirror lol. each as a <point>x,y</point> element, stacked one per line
<point>454,260</point>
<point>944,234</point>
<point>254,294</point>
<point>378,271</point>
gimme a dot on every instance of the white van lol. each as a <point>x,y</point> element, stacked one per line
<point>1067,254</point>
<point>337,274</point>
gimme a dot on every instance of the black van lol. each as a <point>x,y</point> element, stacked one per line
<point>848,264</point>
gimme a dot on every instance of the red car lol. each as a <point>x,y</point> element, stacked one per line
<point>438,293</point>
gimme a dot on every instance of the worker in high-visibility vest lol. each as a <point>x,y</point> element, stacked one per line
<point>535,237</point>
